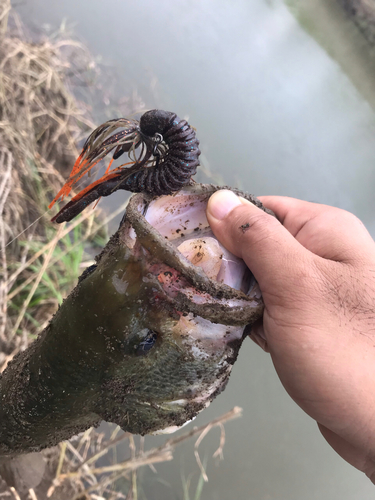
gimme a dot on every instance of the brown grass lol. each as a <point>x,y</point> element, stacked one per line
<point>78,460</point>
<point>41,123</point>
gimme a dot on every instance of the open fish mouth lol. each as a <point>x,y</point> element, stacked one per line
<point>195,299</point>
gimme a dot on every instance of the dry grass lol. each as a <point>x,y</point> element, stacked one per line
<point>78,460</point>
<point>41,123</point>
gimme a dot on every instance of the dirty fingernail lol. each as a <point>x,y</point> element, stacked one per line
<point>221,203</point>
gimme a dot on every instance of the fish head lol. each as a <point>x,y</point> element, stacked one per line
<point>185,303</point>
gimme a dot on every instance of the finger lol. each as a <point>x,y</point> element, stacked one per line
<point>257,335</point>
<point>268,249</point>
<point>260,342</point>
<point>346,450</point>
<point>292,213</point>
<point>329,232</point>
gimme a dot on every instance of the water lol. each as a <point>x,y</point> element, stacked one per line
<point>276,114</point>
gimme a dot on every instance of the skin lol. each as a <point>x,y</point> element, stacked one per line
<point>316,270</point>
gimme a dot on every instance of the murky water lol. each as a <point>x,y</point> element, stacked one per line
<point>275,114</point>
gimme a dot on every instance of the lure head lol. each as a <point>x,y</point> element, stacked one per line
<point>155,121</point>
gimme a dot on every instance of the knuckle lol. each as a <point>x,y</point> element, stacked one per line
<point>350,218</point>
<point>345,217</point>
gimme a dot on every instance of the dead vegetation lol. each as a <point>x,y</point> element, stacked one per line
<point>41,123</point>
<point>78,460</point>
<point>74,470</point>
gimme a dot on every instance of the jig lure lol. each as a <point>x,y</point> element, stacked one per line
<point>167,160</point>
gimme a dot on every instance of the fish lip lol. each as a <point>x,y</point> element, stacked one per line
<point>224,304</point>
<point>154,242</point>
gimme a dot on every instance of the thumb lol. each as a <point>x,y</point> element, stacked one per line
<point>269,250</point>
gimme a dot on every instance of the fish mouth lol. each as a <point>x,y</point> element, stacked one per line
<point>198,273</point>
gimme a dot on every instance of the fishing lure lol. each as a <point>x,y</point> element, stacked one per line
<point>167,160</point>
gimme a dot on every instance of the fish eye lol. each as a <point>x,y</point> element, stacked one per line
<point>147,343</point>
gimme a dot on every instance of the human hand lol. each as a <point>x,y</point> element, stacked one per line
<point>317,276</point>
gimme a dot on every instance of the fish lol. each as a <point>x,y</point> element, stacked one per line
<point>148,337</point>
